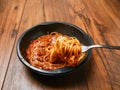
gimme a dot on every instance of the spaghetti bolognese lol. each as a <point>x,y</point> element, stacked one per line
<point>54,51</point>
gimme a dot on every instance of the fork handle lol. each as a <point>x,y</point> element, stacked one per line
<point>104,46</point>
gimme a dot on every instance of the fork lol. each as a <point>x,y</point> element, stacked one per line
<point>85,48</point>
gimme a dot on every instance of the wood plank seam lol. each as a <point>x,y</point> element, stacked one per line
<point>44,11</point>
<point>105,68</point>
<point>13,46</point>
<point>1,31</point>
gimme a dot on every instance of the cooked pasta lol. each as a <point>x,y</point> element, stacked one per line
<point>54,51</point>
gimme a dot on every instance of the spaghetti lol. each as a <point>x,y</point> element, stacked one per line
<point>54,51</point>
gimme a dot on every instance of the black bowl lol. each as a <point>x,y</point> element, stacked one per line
<point>43,29</point>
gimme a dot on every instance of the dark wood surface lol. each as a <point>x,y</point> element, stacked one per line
<point>98,18</point>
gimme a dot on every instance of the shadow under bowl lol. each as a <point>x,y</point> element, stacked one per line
<point>43,29</point>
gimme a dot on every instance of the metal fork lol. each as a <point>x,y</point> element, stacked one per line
<point>85,48</point>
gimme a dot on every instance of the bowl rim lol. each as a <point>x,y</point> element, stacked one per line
<point>55,72</point>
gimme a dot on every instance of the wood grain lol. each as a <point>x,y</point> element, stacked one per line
<point>10,16</point>
<point>99,18</point>
<point>32,10</point>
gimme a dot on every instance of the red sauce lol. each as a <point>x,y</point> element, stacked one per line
<point>39,50</point>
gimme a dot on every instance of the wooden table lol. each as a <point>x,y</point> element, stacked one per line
<point>98,18</point>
